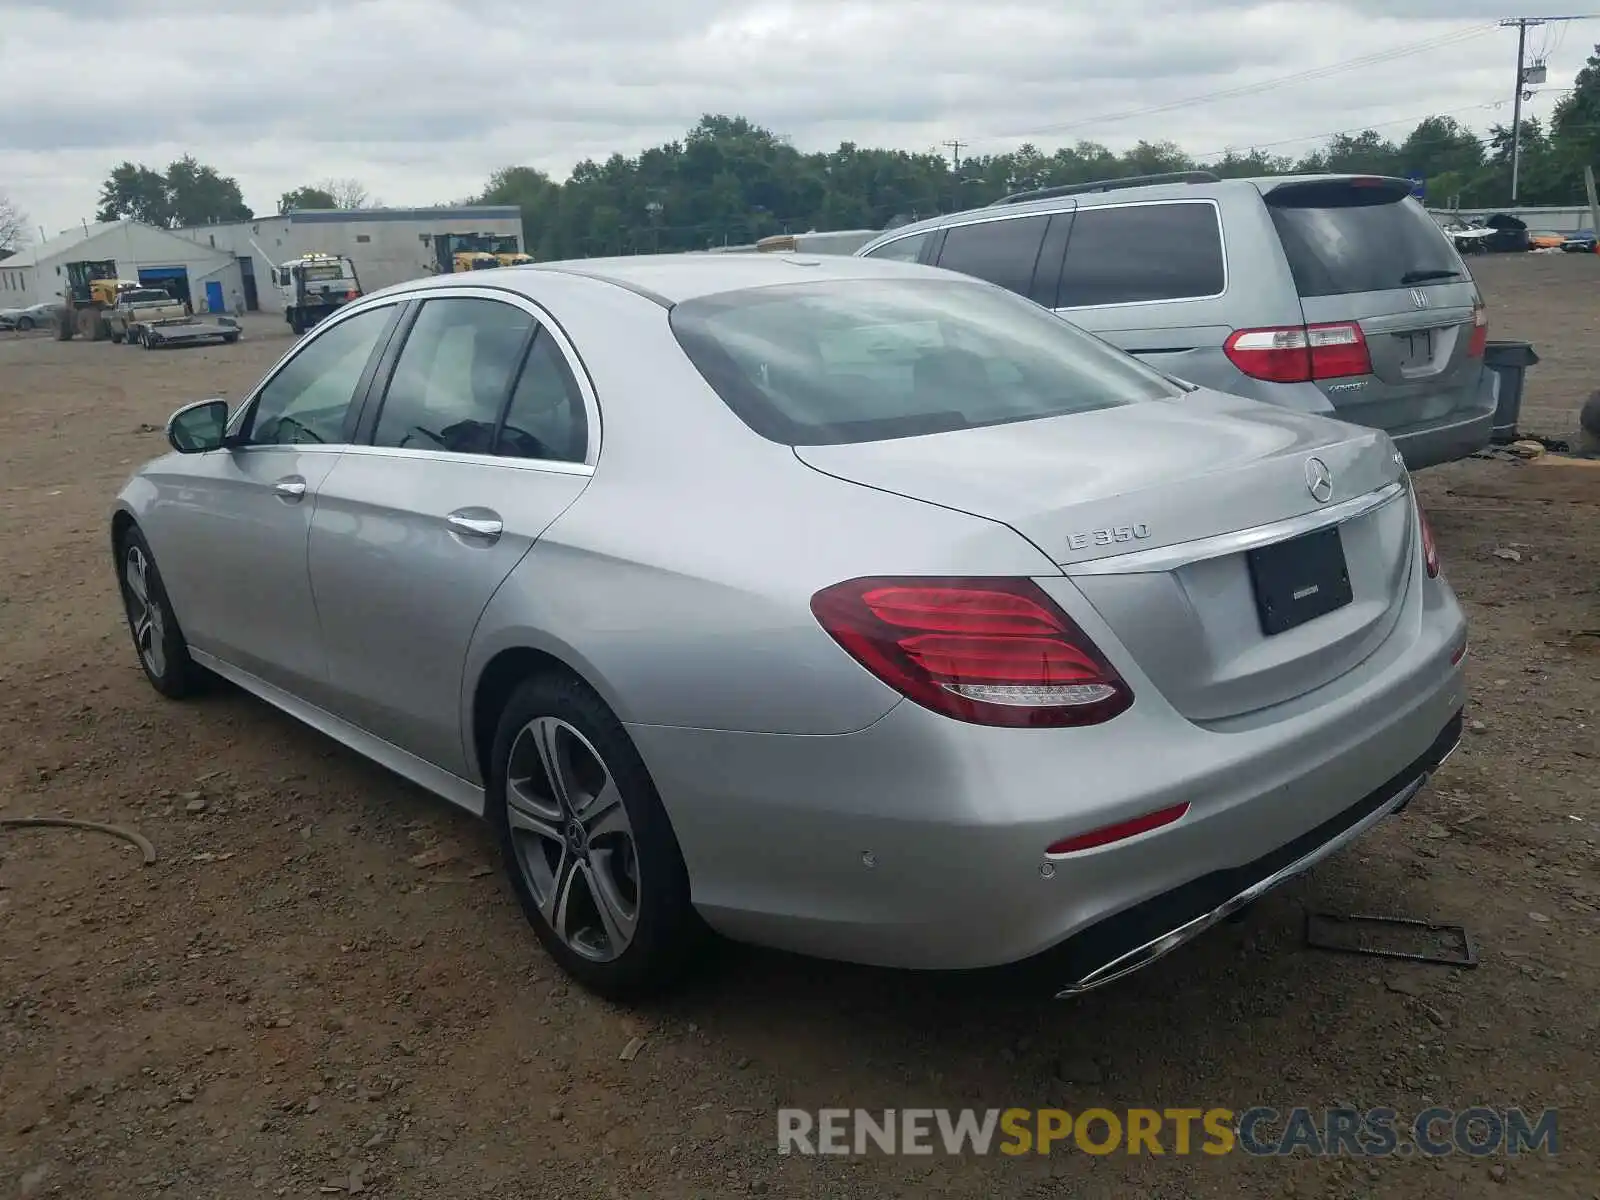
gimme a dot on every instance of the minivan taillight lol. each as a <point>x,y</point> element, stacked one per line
<point>1300,353</point>
<point>986,651</point>
<point>1480,331</point>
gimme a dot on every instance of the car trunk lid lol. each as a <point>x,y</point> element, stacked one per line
<point>1154,510</point>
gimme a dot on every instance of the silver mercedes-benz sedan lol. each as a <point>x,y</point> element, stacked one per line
<point>847,606</point>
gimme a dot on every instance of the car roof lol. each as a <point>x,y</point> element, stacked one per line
<point>1199,190</point>
<point>673,278</point>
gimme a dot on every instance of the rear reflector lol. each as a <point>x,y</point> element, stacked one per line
<point>1122,830</point>
<point>1300,353</point>
<point>985,651</point>
<point>1430,548</point>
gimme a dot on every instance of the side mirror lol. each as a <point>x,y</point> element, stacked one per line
<point>196,428</point>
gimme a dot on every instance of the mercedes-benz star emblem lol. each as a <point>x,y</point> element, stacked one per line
<point>1319,480</point>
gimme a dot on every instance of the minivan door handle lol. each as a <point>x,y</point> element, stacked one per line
<point>291,489</point>
<point>475,525</point>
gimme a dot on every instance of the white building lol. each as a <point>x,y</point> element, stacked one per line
<point>131,250</point>
<point>387,245</point>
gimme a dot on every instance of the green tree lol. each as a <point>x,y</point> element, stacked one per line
<point>305,197</point>
<point>135,191</point>
<point>187,193</point>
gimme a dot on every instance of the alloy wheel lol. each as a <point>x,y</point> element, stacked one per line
<point>144,612</point>
<point>573,840</point>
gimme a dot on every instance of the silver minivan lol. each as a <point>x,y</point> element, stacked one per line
<point>1334,294</point>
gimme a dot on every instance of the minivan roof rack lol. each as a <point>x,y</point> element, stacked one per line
<point>1108,185</point>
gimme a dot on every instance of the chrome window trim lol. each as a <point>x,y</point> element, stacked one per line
<point>1169,558</point>
<point>551,466</point>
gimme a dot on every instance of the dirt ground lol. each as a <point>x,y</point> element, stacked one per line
<point>285,1005</point>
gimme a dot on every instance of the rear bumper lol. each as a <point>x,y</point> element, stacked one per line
<point>1459,434</point>
<point>1139,936</point>
<point>922,842</point>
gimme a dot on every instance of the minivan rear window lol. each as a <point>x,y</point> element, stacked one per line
<point>863,360</point>
<point>1344,236</point>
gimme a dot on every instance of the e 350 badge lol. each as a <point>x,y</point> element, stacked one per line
<point>1107,537</point>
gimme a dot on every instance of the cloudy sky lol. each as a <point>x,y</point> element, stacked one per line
<point>421,99</point>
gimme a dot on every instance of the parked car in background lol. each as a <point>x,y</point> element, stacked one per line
<point>34,316</point>
<point>841,605</point>
<point>1332,294</point>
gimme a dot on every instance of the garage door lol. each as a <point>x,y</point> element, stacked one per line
<point>175,280</point>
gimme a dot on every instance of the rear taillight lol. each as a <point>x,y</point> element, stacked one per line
<point>1480,331</point>
<point>1430,548</point>
<point>986,651</point>
<point>1300,353</point>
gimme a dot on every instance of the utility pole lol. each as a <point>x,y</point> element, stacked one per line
<point>1522,24</point>
<point>954,147</point>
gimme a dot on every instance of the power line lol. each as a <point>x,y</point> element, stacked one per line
<point>1264,85</point>
<point>1333,133</point>
<point>954,146</point>
<point>1522,24</point>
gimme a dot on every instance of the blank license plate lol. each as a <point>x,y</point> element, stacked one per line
<point>1416,349</point>
<point>1299,580</point>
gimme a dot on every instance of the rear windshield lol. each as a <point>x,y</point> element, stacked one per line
<point>328,272</point>
<point>1341,238</point>
<point>866,360</point>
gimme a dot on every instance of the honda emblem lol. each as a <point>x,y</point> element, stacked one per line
<point>1419,297</point>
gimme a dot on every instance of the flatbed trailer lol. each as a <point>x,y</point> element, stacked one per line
<point>184,331</point>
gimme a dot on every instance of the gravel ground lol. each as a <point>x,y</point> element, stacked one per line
<point>284,1004</point>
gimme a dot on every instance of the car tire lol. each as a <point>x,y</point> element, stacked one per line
<point>229,339</point>
<point>116,339</point>
<point>24,324</point>
<point>157,637</point>
<point>595,865</point>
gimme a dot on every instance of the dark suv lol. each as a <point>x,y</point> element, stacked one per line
<point>1336,294</point>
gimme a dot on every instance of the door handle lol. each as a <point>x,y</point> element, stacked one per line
<point>289,489</point>
<point>486,528</point>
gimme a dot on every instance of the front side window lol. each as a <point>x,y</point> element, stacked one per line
<point>454,376</point>
<point>1142,253</point>
<point>866,360</point>
<point>308,400</point>
<point>906,249</point>
<point>1004,251</point>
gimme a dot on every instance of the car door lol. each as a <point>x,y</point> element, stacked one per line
<point>483,436</point>
<point>1151,277</point>
<point>233,523</point>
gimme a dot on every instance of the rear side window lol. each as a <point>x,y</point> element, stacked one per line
<point>1141,253</point>
<point>453,376</point>
<point>867,360</point>
<point>546,419</point>
<point>1342,237</point>
<point>1003,252</point>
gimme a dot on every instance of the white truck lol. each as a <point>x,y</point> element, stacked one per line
<point>149,317</point>
<point>314,285</point>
